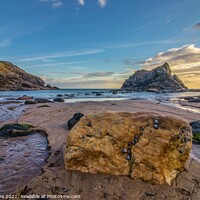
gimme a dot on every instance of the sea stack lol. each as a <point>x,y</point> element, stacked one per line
<point>159,79</point>
<point>141,145</point>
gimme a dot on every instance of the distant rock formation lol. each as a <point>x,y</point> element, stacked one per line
<point>14,78</point>
<point>159,79</point>
<point>141,145</point>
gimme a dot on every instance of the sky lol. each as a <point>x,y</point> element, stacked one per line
<point>100,43</point>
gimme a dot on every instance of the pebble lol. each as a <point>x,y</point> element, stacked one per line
<point>156,121</point>
<point>124,150</point>
<point>128,157</point>
<point>155,126</point>
<point>130,143</point>
<point>136,138</point>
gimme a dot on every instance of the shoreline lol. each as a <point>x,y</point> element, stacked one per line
<point>53,119</point>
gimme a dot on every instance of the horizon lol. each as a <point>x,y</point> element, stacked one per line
<point>82,44</point>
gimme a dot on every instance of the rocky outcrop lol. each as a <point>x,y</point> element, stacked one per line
<point>142,145</point>
<point>14,78</point>
<point>159,79</point>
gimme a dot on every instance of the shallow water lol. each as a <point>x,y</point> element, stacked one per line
<point>195,153</point>
<point>21,159</point>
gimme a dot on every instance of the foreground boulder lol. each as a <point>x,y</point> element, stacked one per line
<point>159,79</point>
<point>144,146</point>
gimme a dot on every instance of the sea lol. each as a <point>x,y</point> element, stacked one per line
<point>81,95</point>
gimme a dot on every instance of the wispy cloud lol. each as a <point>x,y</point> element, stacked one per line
<point>81,2</point>
<point>136,44</point>
<point>54,3</point>
<point>183,61</point>
<point>5,43</point>
<point>94,74</point>
<point>196,26</point>
<point>61,55</point>
<point>102,3</point>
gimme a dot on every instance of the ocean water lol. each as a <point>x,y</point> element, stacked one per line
<point>80,95</point>
<point>74,95</point>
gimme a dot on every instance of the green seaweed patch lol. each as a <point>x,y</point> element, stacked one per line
<point>196,137</point>
<point>15,130</point>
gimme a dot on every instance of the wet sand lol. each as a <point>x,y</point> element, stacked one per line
<point>21,159</point>
<point>57,180</point>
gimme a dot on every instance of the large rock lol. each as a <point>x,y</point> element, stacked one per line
<point>14,78</point>
<point>144,146</point>
<point>159,79</point>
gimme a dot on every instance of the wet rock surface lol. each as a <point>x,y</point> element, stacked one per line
<point>43,100</point>
<point>21,159</point>
<point>72,122</point>
<point>142,145</point>
<point>59,99</point>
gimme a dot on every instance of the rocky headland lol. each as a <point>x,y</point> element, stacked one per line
<point>14,78</point>
<point>159,79</point>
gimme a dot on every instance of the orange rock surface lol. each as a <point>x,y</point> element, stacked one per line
<point>142,145</point>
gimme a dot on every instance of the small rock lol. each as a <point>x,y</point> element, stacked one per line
<point>25,98</point>
<point>128,157</point>
<point>30,102</point>
<point>43,100</point>
<point>59,95</point>
<point>59,99</point>
<point>98,94</point>
<point>150,194</point>
<point>156,121</point>
<point>74,120</point>
<point>155,126</point>
<point>124,150</point>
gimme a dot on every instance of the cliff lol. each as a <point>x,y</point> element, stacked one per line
<point>14,78</point>
<point>159,79</point>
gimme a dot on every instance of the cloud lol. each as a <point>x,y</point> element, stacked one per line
<point>196,26</point>
<point>61,55</point>
<point>102,3</point>
<point>81,2</point>
<point>57,64</point>
<point>95,74</point>
<point>183,61</point>
<point>129,62</point>
<point>5,43</point>
<point>137,44</point>
<point>90,79</point>
<point>56,4</point>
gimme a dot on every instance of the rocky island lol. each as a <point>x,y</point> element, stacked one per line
<point>159,79</point>
<point>16,79</point>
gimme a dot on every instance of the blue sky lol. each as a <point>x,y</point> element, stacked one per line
<point>99,43</point>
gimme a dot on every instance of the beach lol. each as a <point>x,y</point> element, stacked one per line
<point>55,179</point>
